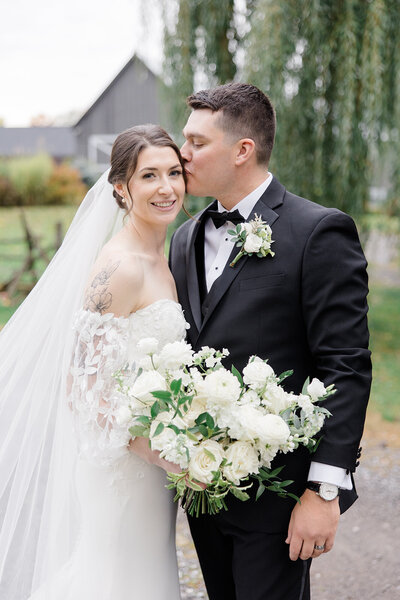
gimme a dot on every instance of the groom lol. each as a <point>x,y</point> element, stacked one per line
<point>304,309</point>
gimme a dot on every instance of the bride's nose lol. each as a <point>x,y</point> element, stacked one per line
<point>165,186</point>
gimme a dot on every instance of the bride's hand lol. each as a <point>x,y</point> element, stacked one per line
<point>141,447</point>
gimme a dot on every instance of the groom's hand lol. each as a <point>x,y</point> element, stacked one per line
<point>312,523</point>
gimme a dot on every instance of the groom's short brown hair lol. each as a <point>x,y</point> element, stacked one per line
<point>246,112</point>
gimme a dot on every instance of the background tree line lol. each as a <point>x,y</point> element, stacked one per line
<point>331,70</point>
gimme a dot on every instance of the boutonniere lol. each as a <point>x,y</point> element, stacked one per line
<point>253,237</point>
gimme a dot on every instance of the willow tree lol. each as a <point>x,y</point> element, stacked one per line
<point>202,39</point>
<point>332,72</point>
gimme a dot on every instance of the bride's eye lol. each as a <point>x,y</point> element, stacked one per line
<point>176,172</point>
<point>148,175</point>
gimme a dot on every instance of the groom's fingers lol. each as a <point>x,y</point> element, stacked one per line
<point>295,547</point>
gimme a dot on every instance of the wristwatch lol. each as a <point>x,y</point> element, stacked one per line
<point>327,491</point>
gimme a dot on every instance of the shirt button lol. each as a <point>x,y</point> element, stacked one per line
<point>226,239</point>
<point>216,268</point>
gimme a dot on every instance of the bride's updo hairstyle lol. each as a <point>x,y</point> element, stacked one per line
<point>125,153</point>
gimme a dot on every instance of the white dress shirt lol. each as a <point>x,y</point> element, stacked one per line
<point>217,249</point>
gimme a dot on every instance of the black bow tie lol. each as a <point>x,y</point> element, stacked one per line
<point>219,218</point>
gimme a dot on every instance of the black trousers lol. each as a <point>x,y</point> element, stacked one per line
<point>247,565</point>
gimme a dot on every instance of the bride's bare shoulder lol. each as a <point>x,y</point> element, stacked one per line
<point>115,283</point>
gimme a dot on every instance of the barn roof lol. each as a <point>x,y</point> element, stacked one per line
<point>130,62</point>
<point>59,142</point>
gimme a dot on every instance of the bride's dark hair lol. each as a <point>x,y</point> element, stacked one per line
<point>126,149</point>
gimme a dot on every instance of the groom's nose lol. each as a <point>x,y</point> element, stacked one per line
<point>184,152</point>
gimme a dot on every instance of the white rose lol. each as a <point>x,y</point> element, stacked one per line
<point>244,459</point>
<point>175,354</point>
<point>123,415</point>
<point>253,243</point>
<point>147,345</point>
<point>220,388</point>
<point>147,382</point>
<point>206,458</point>
<point>269,429</point>
<point>276,399</point>
<point>256,372</point>
<point>316,389</point>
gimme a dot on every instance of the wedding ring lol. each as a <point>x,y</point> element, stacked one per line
<point>316,547</point>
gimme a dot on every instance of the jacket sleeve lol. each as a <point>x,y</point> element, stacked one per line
<point>334,304</point>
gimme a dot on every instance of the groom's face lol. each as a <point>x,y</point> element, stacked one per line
<point>208,154</point>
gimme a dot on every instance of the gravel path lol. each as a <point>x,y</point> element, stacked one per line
<point>365,562</point>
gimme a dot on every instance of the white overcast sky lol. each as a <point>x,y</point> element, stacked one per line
<point>58,56</point>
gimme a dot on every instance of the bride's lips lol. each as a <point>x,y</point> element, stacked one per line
<point>164,205</point>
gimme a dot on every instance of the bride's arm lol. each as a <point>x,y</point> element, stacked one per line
<point>101,348</point>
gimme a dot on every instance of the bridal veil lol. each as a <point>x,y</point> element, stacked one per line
<point>38,512</point>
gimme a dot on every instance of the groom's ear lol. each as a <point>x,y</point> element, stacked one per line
<point>245,149</point>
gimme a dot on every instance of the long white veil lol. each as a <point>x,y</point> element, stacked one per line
<point>39,519</point>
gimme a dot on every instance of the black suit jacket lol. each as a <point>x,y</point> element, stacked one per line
<point>304,309</point>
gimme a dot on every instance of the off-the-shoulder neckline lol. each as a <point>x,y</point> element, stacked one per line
<point>132,314</point>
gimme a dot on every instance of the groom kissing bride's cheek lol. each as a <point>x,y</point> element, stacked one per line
<point>302,307</point>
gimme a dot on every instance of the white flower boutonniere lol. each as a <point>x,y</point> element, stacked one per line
<point>254,237</point>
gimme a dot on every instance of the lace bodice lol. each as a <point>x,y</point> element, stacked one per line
<point>105,344</point>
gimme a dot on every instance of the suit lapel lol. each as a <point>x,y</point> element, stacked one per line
<point>272,198</point>
<point>192,276</point>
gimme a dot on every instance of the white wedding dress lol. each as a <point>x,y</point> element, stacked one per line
<point>126,544</point>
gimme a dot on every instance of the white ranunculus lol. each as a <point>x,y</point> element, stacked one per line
<point>256,373</point>
<point>248,227</point>
<point>207,457</point>
<point>147,382</point>
<point>253,243</point>
<point>316,389</point>
<point>269,429</point>
<point>147,345</point>
<point>244,460</point>
<point>276,399</point>
<point>123,415</point>
<point>221,388</point>
<point>250,397</point>
<point>175,354</point>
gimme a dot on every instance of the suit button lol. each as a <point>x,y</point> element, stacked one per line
<point>357,463</point>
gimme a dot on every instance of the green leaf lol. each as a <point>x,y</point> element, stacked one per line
<point>261,490</point>
<point>143,419</point>
<point>284,375</point>
<point>159,429</point>
<point>237,374</point>
<point>238,493</point>
<point>138,430</point>
<point>175,386</point>
<point>161,394</point>
<point>209,454</point>
<point>155,409</point>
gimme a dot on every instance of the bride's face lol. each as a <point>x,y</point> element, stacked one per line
<point>157,187</point>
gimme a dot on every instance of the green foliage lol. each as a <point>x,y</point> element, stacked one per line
<point>37,180</point>
<point>331,71</point>
<point>29,177</point>
<point>202,39</point>
<point>384,326</point>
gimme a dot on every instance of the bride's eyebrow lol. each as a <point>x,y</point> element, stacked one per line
<point>156,168</point>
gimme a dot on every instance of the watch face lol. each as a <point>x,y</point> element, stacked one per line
<point>328,491</point>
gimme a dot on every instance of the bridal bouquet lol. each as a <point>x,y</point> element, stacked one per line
<point>221,427</point>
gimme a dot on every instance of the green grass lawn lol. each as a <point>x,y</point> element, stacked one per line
<point>384,316</point>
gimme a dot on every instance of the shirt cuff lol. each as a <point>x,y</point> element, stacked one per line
<point>330,474</point>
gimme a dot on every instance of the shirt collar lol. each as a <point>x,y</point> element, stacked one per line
<point>246,205</point>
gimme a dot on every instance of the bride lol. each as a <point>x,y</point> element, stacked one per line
<point>84,512</point>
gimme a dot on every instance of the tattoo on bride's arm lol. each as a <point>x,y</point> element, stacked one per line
<point>98,298</point>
